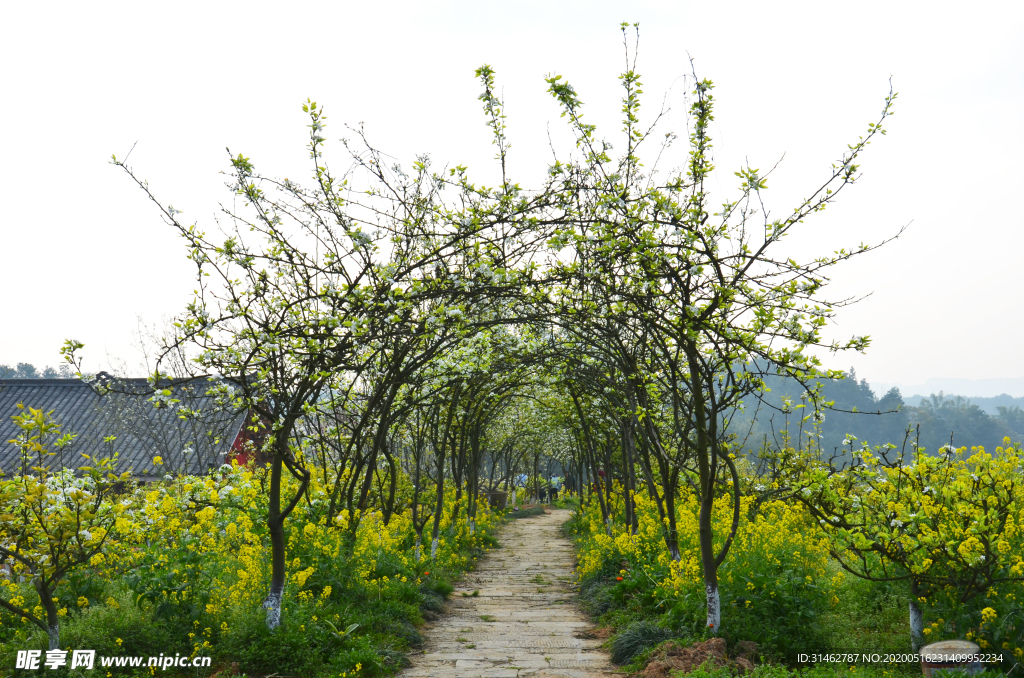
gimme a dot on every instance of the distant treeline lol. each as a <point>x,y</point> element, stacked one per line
<point>990,405</point>
<point>28,371</point>
<point>858,412</point>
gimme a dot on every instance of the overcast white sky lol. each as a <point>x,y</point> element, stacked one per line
<point>84,255</point>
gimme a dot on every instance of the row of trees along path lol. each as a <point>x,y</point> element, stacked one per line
<point>402,332</point>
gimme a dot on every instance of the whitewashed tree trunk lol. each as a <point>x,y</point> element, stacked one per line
<point>417,549</point>
<point>513,498</point>
<point>433,549</point>
<point>916,626</point>
<point>472,526</point>
<point>714,609</point>
<point>53,631</point>
<point>273,607</point>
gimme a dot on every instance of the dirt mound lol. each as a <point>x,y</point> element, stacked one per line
<point>673,656</point>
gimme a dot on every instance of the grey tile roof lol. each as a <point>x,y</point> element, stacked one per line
<point>192,437</point>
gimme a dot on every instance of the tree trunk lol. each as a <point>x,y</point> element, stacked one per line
<point>916,618</point>
<point>417,524</point>
<point>671,529</point>
<point>439,452</point>
<point>473,479</point>
<point>707,467</point>
<point>458,470</point>
<point>52,619</point>
<point>536,477</point>
<point>389,506</point>
<point>590,453</point>
<point>714,604</point>
<point>379,443</point>
<point>606,509</point>
<point>708,565</point>
<point>275,525</point>
<point>628,484</point>
<point>438,508</point>
<point>607,476</point>
<point>647,441</point>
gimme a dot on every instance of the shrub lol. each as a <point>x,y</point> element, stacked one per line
<point>120,628</point>
<point>636,638</point>
<point>438,587</point>
<point>291,649</point>
<point>596,596</point>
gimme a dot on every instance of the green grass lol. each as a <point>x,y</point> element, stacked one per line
<point>526,513</point>
<point>869,615</point>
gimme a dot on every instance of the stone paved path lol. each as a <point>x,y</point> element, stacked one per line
<point>524,621</point>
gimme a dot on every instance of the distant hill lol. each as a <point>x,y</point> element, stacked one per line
<point>989,405</point>
<point>879,418</point>
<point>968,388</point>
